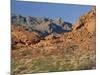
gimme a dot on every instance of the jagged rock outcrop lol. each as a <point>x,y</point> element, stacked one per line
<point>87,21</point>
<point>20,35</point>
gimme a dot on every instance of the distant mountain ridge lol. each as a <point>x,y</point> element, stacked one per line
<point>43,26</point>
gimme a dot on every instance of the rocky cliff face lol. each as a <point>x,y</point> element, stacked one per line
<point>87,21</point>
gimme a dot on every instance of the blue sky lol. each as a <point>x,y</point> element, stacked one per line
<point>68,12</point>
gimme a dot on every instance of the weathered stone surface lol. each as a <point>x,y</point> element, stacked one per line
<point>87,21</point>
